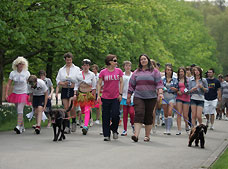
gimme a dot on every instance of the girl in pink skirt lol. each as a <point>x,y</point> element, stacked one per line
<point>19,96</point>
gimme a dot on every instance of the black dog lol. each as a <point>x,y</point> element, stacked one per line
<point>197,133</point>
<point>59,119</point>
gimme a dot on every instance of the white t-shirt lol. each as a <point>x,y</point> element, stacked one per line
<point>89,78</point>
<point>126,84</point>
<point>40,89</point>
<point>62,74</point>
<point>49,84</point>
<point>20,81</point>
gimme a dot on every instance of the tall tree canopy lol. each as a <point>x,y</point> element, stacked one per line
<point>168,31</point>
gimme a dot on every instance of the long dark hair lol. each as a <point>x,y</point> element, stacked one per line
<point>165,71</point>
<point>200,70</point>
<point>178,72</point>
<point>150,66</point>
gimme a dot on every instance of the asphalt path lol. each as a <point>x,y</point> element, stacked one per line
<point>31,151</point>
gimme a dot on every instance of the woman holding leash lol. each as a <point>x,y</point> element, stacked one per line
<point>19,97</point>
<point>183,99</point>
<point>85,92</point>
<point>66,79</point>
<point>197,87</point>
<point>111,96</point>
<point>146,84</point>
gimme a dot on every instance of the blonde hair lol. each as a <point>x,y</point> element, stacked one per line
<point>19,60</point>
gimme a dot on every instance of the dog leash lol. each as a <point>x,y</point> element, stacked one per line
<point>177,112</point>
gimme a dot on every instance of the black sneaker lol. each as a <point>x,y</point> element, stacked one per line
<point>37,130</point>
<point>134,138</point>
<point>107,139</point>
<point>84,130</point>
<point>17,130</point>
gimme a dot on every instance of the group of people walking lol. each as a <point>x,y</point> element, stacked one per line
<point>143,94</point>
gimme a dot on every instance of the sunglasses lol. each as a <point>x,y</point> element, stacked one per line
<point>114,60</point>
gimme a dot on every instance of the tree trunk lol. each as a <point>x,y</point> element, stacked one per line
<point>49,65</point>
<point>1,74</point>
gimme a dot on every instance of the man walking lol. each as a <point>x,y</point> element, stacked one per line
<point>212,97</point>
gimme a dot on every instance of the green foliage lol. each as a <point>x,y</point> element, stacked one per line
<point>216,19</point>
<point>168,31</point>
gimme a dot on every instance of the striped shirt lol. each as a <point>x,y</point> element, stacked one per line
<point>144,84</point>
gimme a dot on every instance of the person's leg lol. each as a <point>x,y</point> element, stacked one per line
<point>87,115</point>
<point>165,109</point>
<point>125,116</point>
<point>199,113</point>
<point>213,111</point>
<point>66,105</point>
<point>139,107</point>
<point>148,130</point>
<point>115,115</point>
<point>39,111</point>
<point>190,115</point>
<point>132,114</point>
<point>179,109</point>
<point>170,118</point>
<point>206,110</point>
<point>194,110</point>
<point>20,109</point>
<point>138,127</point>
<point>106,108</point>
<point>185,114</point>
<point>148,119</point>
<point>97,114</point>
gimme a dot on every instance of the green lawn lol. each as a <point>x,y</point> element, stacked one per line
<point>222,162</point>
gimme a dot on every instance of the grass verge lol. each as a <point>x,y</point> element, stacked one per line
<point>222,162</point>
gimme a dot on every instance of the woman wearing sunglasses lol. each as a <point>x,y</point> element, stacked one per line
<point>111,96</point>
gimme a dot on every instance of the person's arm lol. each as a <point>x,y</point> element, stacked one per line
<point>99,88</point>
<point>131,88</point>
<point>45,99</point>
<point>7,88</point>
<point>219,94</point>
<point>204,87</point>
<point>56,94</point>
<point>52,91</point>
<point>121,89</point>
<point>94,85</point>
<point>30,97</point>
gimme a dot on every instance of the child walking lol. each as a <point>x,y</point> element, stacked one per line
<point>127,109</point>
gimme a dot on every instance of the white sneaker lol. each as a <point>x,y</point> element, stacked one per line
<point>178,133</point>
<point>91,123</point>
<point>97,122</point>
<point>18,130</point>
<point>23,129</point>
<point>212,128</point>
<point>226,119</point>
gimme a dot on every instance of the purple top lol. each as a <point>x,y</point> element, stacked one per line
<point>145,83</point>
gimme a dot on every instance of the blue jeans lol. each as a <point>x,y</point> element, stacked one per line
<point>110,111</point>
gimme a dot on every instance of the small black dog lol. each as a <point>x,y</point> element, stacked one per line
<point>197,133</point>
<point>59,119</point>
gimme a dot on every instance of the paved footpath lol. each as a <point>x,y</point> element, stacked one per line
<point>30,151</point>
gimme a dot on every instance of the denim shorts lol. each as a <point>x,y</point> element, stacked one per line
<point>197,102</point>
<point>181,101</point>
